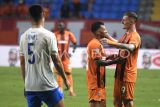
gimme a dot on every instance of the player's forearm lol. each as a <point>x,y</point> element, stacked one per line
<point>129,47</point>
<point>22,64</point>
<point>111,57</point>
<point>107,63</point>
<point>111,38</point>
<point>74,47</point>
<point>58,65</point>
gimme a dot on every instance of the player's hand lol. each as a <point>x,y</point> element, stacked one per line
<point>73,51</point>
<point>67,84</point>
<point>105,41</point>
<point>70,55</point>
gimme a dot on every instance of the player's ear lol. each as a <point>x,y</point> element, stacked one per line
<point>132,21</point>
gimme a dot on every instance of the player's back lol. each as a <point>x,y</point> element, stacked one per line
<point>36,44</point>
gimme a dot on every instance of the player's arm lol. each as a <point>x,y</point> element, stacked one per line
<point>22,64</point>
<point>111,57</point>
<point>22,58</point>
<point>129,47</point>
<point>56,59</point>
<point>108,36</point>
<point>74,46</point>
<point>101,62</point>
<point>74,41</point>
<point>59,67</point>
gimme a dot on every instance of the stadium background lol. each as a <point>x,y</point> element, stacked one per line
<point>78,16</point>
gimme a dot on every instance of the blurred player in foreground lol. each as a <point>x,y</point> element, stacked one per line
<point>64,38</point>
<point>126,70</point>
<point>96,67</point>
<point>37,45</point>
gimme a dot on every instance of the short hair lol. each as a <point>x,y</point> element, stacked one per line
<point>36,12</point>
<point>95,26</point>
<point>132,15</point>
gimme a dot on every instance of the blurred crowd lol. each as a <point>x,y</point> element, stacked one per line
<point>8,9</point>
<point>79,8</point>
<point>68,8</point>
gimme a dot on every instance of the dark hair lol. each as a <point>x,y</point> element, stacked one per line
<point>36,12</point>
<point>132,15</point>
<point>95,26</point>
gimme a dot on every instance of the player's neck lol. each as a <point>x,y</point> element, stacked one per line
<point>37,24</point>
<point>61,32</point>
<point>132,29</point>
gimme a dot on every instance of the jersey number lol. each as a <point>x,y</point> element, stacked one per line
<point>30,52</point>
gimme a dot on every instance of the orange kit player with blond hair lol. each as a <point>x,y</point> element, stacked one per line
<point>64,37</point>
<point>126,71</point>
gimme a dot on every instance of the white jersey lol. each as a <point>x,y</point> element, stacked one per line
<point>36,45</point>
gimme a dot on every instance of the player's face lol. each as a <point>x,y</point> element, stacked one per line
<point>61,27</point>
<point>101,32</point>
<point>126,22</point>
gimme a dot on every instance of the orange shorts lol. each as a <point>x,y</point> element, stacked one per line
<point>98,94</point>
<point>128,92</point>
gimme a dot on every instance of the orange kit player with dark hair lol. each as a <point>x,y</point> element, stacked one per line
<point>96,67</point>
<point>64,37</point>
<point>126,71</point>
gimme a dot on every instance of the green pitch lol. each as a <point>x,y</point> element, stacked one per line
<point>147,92</point>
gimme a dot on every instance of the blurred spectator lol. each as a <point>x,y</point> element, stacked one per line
<point>7,8</point>
<point>47,12</point>
<point>45,3</point>
<point>115,35</point>
<point>22,9</point>
<point>76,8</point>
<point>90,4</point>
<point>65,10</point>
<point>145,6</point>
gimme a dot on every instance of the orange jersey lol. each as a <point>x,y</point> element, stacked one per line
<point>130,70</point>
<point>94,79</point>
<point>63,42</point>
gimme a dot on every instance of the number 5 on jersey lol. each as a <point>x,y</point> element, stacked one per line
<point>31,60</point>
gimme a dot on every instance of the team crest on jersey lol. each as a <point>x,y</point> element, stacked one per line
<point>96,51</point>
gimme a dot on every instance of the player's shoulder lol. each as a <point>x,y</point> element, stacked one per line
<point>94,43</point>
<point>47,33</point>
<point>136,35</point>
<point>68,32</point>
<point>56,32</point>
<point>23,35</point>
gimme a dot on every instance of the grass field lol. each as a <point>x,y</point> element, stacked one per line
<point>147,92</point>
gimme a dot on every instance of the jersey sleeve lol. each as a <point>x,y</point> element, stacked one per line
<point>72,38</point>
<point>21,51</point>
<point>53,44</point>
<point>135,39</point>
<point>95,51</point>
